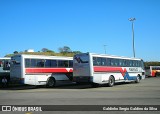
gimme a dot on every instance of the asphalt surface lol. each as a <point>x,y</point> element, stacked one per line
<point>147,92</point>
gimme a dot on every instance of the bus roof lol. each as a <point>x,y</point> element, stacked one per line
<point>153,66</point>
<point>111,56</point>
<point>42,56</point>
<point>5,58</point>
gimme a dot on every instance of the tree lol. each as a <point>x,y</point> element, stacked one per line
<point>77,52</point>
<point>65,49</point>
<point>50,51</point>
<point>15,52</point>
<point>47,50</point>
<point>152,63</point>
<point>44,50</point>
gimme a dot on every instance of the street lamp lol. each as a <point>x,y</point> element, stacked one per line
<point>132,20</point>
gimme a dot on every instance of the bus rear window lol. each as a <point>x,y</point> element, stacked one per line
<point>81,59</point>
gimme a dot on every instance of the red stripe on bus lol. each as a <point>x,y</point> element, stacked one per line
<point>48,70</point>
<point>153,73</point>
<point>110,69</point>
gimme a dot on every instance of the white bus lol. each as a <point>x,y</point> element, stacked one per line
<point>152,71</point>
<point>104,69</point>
<point>5,68</point>
<point>40,69</point>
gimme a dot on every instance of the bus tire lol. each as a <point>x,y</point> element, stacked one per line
<point>111,81</point>
<point>51,82</point>
<point>137,79</point>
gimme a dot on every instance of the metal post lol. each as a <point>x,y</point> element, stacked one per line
<point>133,39</point>
<point>132,20</point>
<point>105,49</point>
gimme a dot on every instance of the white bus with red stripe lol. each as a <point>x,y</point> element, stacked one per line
<point>40,69</point>
<point>152,71</point>
<point>104,69</point>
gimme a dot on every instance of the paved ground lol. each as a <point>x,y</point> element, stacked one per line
<point>147,92</point>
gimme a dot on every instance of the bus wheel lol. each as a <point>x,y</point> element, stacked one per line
<point>51,82</point>
<point>137,79</point>
<point>111,81</point>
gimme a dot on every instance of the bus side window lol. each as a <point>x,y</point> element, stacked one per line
<point>130,63</point>
<point>136,63</point>
<point>40,62</point>
<point>27,63</point>
<point>104,63</point>
<point>139,64</point>
<point>54,63</point>
<point>62,63</point>
<point>116,62</point>
<point>70,63</point>
<point>108,62</point>
<point>133,63</point>
<point>142,64</point>
<point>121,62</point>
<point>33,63</point>
<point>94,61</point>
<point>65,64</point>
<point>47,63</point>
<point>99,62</point>
<point>112,62</point>
<point>50,63</point>
<point>127,63</point>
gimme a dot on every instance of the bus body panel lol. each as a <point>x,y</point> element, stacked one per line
<point>82,70</point>
<point>119,74</point>
<point>30,79</point>
<point>24,70</point>
<point>16,73</point>
<point>152,71</point>
<point>92,71</point>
